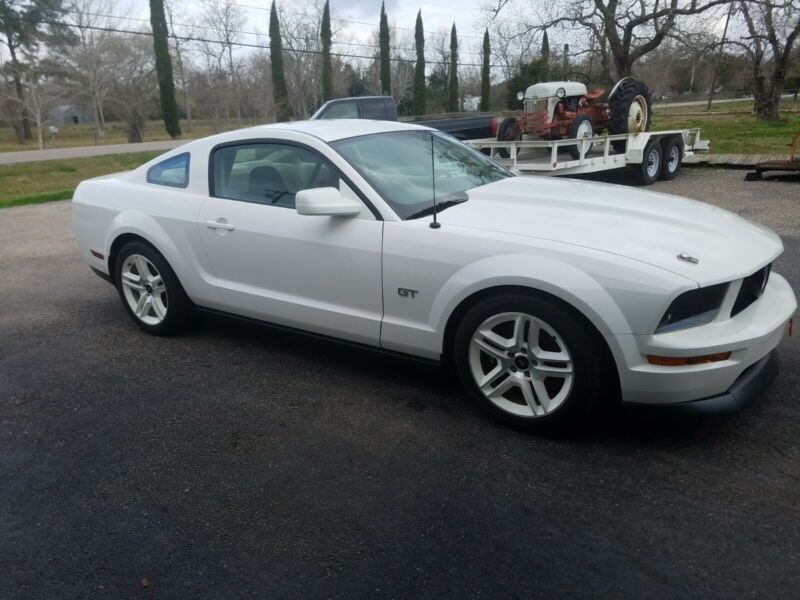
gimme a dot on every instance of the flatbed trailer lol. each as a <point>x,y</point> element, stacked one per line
<point>652,154</point>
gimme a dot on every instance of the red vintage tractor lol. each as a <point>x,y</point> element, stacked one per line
<point>556,110</point>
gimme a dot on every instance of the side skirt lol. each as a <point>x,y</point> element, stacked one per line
<point>319,336</point>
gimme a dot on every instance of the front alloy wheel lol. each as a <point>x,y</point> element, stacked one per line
<point>531,361</point>
<point>521,364</point>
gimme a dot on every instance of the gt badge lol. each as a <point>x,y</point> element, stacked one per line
<point>406,292</point>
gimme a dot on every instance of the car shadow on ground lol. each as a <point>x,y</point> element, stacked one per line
<point>611,424</point>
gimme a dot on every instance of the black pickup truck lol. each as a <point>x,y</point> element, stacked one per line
<point>383,108</point>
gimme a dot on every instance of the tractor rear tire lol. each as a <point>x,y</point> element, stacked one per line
<point>507,132</point>
<point>631,110</point>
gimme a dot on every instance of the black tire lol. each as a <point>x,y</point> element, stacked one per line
<point>619,104</point>
<point>649,169</point>
<point>572,132</point>
<point>179,308</point>
<point>507,132</point>
<point>672,158</point>
<point>590,361</point>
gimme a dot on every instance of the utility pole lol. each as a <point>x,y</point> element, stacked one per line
<point>565,62</point>
<point>719,55</point>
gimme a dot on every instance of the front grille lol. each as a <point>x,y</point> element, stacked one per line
<point>752,288</point>
<point>536,105</point>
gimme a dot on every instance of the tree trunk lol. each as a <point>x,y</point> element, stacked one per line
<point>23,131</point>
<point>768,98</point>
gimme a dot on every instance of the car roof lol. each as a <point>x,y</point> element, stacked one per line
<point>335,129</point>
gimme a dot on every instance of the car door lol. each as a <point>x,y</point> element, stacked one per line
<point>317,273</point>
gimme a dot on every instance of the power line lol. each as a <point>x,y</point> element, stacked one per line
<point>443,34</point>
<point>239,31</point>
<point>249,45</point>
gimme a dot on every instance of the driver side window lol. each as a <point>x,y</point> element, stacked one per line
<point>269,174</point>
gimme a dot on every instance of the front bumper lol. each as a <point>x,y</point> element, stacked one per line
<point>751,337</point>
<point>751,384</point>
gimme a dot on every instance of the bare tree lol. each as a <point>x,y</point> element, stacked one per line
<point>83,58</point>
<point>302,49</point>
<point>134,91</point>
<point>225,20</point>
<point>773,27</point>
<point>622,31</point>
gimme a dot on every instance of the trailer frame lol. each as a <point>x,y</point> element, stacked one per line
<point>541,157</point>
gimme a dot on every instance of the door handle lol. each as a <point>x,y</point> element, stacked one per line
<point>219,224</point>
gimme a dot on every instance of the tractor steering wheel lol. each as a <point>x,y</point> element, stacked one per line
<point>578,76</point>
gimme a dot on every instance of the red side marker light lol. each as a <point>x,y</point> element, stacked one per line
<point>97,254</point>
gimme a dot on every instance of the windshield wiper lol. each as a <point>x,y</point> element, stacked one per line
<point>440,206</point>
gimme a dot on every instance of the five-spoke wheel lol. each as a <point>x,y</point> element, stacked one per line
<point>530,360</point>
<point>150,290</point>
<point>521,364</point>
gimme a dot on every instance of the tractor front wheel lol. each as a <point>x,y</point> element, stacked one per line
<point>508,132</point>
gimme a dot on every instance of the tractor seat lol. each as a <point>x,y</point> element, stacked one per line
<point>595,93</point>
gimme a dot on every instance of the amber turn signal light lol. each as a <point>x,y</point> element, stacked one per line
<point>678,361</point>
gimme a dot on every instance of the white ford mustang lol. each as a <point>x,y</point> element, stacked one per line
<point>547,295</point>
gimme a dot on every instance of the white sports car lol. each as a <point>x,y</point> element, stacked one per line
<point>547,295</point>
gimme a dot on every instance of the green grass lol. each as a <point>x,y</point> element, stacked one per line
<point>45,181</point>
<point>737,134</point>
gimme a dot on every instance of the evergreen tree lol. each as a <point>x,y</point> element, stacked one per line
<point>486,86</point>
<point>419,69</point>
<point>383,41</point>
<point>283,111</point>
<point>452,86</point>
<point>166,83</point>
<point>327,83</point>
<point>545,57</point>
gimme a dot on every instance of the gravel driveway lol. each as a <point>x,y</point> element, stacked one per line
<point>236,461</point>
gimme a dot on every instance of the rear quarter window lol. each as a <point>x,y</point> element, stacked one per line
<point>172,172</point>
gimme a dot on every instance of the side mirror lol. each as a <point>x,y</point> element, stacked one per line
<point>520,96</point>
<point>326,201</point>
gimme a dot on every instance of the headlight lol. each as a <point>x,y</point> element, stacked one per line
<point>693,308</point>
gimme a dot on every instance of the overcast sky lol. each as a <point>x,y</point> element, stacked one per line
<point>358,19</point>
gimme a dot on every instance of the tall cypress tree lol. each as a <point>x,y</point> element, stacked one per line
<point>486,86</point>
<point>419,68</point>
<point>545,75</point>
<point>327,83</point>
<point>283,111</point>
<point>383,41</point>
<point>452,86</point>
<point>166,83</point>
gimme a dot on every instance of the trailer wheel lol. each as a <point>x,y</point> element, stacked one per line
<point>648,171</point>
<point>672,152</point>
<point>507,132</point>
<point>631,110</point>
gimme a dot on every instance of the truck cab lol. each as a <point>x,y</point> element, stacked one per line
<point>378,108</point>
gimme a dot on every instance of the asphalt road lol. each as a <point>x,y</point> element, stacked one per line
<point>238,462</point>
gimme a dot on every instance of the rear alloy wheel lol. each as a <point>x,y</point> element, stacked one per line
<point>673,157</point>
<point>529,362</point>
<point>648,171</point>
<point>150,290</point>
<point>580,128</point>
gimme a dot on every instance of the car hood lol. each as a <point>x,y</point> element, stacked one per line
<point>645,226</point>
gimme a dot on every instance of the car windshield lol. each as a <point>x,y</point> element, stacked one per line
<point>401,165</point>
